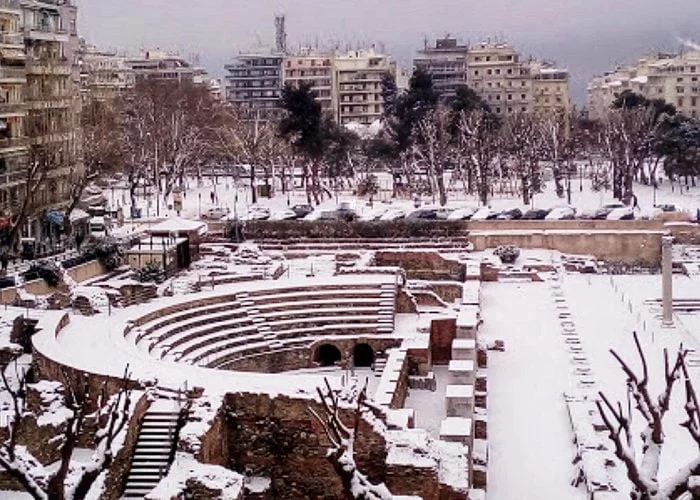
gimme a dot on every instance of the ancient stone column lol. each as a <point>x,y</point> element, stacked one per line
<point>667,279</point>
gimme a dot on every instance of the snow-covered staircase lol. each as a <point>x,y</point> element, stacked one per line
<point>379,365</point>
<point>154,448</point>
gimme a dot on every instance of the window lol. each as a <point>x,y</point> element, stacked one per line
<point>680,101</point>
<point>510,97</point>
<point>679,79</point>
<point>694,101</point>
<point>498,97</point>
<point>510,110</point>
<point>476,72</point>
<point>498,71</point>
<point>488,58</point>
<point>477,59</point>
<point>523,96</point>
<point>498,110</point>
<point>488,71</point>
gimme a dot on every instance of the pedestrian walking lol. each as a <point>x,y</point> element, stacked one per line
<point>79,238</point>
<point>4,261</point>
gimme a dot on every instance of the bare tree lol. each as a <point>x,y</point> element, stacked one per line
<point>250,139</point>
<point>341,454</point>
<point>524,146</point>
<point>628,139</point>
<point>67,482</point>
<point>433,147</point>
<point>478,130</point>
<point>643,472</point>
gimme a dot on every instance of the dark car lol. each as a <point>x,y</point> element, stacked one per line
<point>535,214</point>
<point>302,210</point>
<point>512,214</point>
<point>423,214</point>
<point>604,211</point>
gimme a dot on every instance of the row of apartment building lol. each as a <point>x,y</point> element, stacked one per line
<point>105,74</point>
<point>39,105</point>
<point>348,85</point>
<point>675,78</point>
<point>508,82</point>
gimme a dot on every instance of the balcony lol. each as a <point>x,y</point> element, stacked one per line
<point>48,67</point>
<point>13,75</point>
<point>12,143</point>
<point>14,39</point>
<point>46,33</point>
<point>12,109</point>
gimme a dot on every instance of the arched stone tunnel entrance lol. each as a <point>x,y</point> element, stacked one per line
<point>363,356</point>
<point>327,355</point>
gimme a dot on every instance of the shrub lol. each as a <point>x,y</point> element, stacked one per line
<point>507,253</point>
<point>44,270</point>
<point>152,272</point>
<point>107,250</point>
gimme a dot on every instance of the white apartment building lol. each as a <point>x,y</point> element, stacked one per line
<point>498,73</point>
<point>447,64</point>
<point>254,81</point>
<point>316,70</point>
<point>675,78</point>
<point>358,77</point>
<point>104,74</point>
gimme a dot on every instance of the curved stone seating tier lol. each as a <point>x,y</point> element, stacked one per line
<point>211,331</point>
<point>199,323</point>
<point>207,349</point>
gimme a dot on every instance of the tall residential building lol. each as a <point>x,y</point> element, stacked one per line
<point>550,88</point>
<point>51,125</point>
<point>254,81</point>
<point>160,65</point>
<point>497,73</point>
<point>316,70</point>
<point>447,64</point>
<point>675,78</point>
<point>358,77</point>
<point>103,74</point>
<point>13,109</point>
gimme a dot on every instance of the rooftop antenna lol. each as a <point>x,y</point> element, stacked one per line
<point>280,34</point>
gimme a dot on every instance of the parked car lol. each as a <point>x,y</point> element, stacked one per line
<point>604,211</point>
<point>621,213</point>
<point>484,213</point>
<point>669,207</point>
<point>258,213</point>
<point>374,214</point>
<point>423,214</point>
<point>535,214</point>
<point>286,214</point>
<point>393,214</point>
<point>214,213</point>
<point>464,213</point>
<point>511,214</point>
<point>328,215</point>
<point>302,211</point>
<point>561,213</point>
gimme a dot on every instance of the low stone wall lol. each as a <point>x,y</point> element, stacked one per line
<point>294,229</point>
<point>422,265</point>
<point>87,271</point>
<point>630,247</point>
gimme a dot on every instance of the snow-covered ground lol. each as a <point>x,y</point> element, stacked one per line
<point>530,448</point>
<point>530,437</point>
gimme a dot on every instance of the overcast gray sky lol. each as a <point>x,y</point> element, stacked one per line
<point>586,36</point>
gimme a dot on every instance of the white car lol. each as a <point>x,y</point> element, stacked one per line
<point>462,213</point>
<point>286,214</point>
<point>483,213</point>
<point>393,214</point>
<point>622,213</point>
<point>561,213</point>
<point>214,213</point>
<point>258,213</point>
<point>373,214</point>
